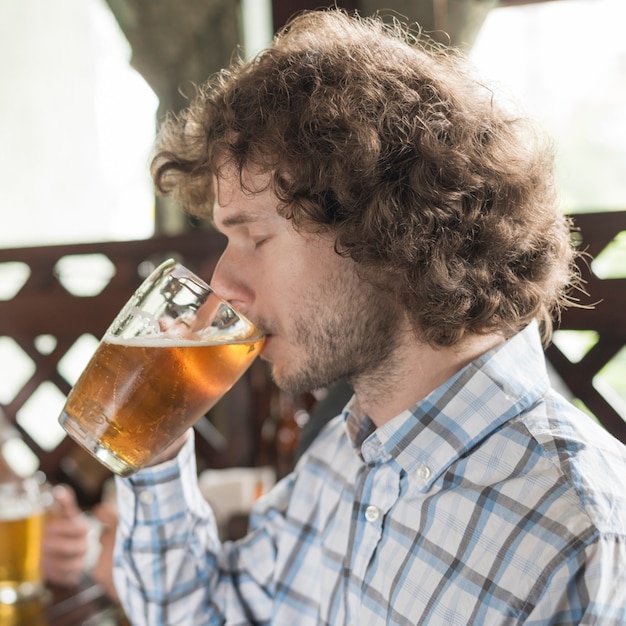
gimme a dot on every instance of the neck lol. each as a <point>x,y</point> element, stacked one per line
<point>412,372</point>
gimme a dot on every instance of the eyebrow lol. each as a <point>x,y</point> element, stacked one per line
<point>235,220</point>
<point>241,218</point>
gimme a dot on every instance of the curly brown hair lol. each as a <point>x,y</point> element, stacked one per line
<point>443,198</point>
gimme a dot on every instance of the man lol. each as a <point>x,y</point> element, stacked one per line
<point>389,224</point>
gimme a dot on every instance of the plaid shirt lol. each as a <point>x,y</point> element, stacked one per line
<point>492,501</point>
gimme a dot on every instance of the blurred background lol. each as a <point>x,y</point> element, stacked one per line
<point>83,84</point>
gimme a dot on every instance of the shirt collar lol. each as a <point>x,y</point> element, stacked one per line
<point>426,439</point>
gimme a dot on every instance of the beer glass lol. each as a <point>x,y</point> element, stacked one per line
<point>170,354</point>
<point>30,612</point>
<point>22,509</point>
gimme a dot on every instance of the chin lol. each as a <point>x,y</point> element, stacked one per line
<point>292,380</point>
<point>280,376</point>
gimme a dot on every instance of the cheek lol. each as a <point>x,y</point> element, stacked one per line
<point>292,269</point>
<point>286,296</point>
<point>297,277</point>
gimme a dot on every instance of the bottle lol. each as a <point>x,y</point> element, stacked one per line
<point>293,413</point>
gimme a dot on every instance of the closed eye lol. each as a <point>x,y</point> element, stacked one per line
<point>259,242</point>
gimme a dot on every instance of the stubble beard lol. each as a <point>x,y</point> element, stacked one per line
<point>352,335</point>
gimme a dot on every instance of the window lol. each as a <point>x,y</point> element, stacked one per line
<point>76,126</point>
<point>566,61</point>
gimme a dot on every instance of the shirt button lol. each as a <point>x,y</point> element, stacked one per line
<point>372,513</point>
<point>146,497</point>
<point>423,471</point>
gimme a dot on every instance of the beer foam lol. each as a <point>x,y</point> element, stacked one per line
<point>13,510</point>
<point>156,341</point>
<point>163,341</point>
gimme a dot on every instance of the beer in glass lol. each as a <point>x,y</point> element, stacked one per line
<point>172,352</point>
<point>22,510</point>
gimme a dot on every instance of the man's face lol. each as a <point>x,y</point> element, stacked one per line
<point>321,321</point>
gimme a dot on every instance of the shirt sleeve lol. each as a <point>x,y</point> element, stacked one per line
<point>170,567</point>
<point>588,589</point>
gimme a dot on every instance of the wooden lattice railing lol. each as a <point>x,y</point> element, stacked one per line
<point>607,319</point>
<point>44,308</point>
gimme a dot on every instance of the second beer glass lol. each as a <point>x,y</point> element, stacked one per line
<point>172,352</point>
<point>22,510</point>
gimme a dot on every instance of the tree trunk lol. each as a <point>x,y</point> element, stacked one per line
<point>451,22</point>
<point>178,44</point>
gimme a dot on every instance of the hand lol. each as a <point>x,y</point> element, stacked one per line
<point>172,450</point>
<point>102,571</point>
<point>64,545</point>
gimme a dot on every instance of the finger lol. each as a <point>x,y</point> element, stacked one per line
<point>65,504</point>
<point>58,529</point>
<point>64,572</point>
<point>67,526</point>
<point>65,546</point>
<point>59,566</point>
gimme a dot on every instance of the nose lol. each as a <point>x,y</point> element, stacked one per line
<point>232,282</point>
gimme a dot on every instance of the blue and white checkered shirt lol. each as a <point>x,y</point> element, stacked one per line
<point>493,501</point>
